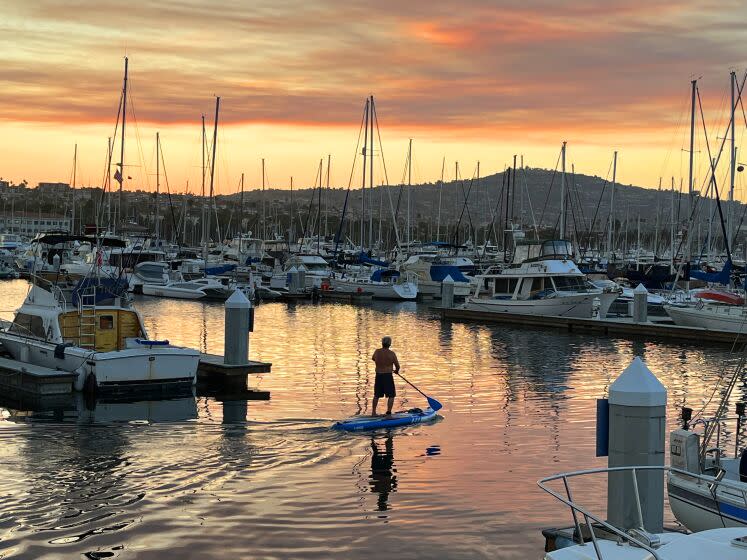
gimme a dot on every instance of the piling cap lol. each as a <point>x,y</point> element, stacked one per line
<point>640,289</point>
<point>637,386</point>
<point>292,269</point>
<point>448,279</point>
<point>238,301</point>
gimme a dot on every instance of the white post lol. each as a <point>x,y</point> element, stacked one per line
<point>237,321</point>
<point>637,425</point>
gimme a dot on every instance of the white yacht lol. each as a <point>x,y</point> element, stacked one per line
<point>382,284</point>
<point>97,335</point>
<point>316,270</point>
<point>432,269</point>
<point>201,288</point>
<point>546,287</point>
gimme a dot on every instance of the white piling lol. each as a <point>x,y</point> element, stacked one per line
<point>238,318</point>
<point>637,426</point>
<point>447,292</point>
<point>640,304</point>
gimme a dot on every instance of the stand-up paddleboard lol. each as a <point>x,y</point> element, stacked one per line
<point>360,423</point>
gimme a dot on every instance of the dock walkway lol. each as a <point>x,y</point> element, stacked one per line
<point>623,327</point>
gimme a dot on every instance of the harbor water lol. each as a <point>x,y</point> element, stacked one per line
<point>204,477</point>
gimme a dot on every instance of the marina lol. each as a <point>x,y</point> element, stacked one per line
<point>323,280</point>
<point>225,453</point>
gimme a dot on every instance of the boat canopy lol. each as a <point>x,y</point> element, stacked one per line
<point>363,258</point>
<point>383,274</point>
<point>722,277</point>
<point>57,238</point>
<point>441,271</point>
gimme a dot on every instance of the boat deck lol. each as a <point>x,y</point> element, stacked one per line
<point>655,327</point>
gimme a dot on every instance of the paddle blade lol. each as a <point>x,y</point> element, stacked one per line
<point>434,404</point>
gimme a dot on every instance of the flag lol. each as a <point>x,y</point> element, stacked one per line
<point>118,176</point>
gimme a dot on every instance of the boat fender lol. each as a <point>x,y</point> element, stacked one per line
<point>743,466</point>
<point>89,387</point>
<point>59,350</point>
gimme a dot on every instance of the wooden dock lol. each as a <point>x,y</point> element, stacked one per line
<point>622,327</point>
<point>36,380</point>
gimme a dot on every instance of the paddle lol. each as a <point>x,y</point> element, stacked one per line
<point>433,403</point>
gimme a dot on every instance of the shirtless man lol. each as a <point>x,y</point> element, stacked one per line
<point>386,361</point>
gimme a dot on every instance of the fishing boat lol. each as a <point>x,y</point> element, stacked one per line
<point>96,334</point>
<point>404,418</point>
<point>547,287</point>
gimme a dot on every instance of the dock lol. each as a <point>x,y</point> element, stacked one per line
<point>212,370</point>
<point>34,380</point>
<point>623,326</point>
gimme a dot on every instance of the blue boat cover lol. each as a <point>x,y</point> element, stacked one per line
<point>441,271</point>
<point>382,274</point>
<point>363,258</point>
<point>106,288</point>
<point>222,269</point>
<point>722,277</point>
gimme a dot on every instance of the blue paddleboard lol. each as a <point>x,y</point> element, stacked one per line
<point>359,423</point>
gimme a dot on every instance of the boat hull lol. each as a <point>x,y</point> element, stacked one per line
<point>695,506</point>
<point>579,306</point>
<point>729,319</point>
<point>165,291</point>
<point>133,366</point>
<point>379,290</point>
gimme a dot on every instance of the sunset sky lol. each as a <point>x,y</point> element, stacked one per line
<point>468,81</point>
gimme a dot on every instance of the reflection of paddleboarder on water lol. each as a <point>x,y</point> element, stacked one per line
<point>383,479</point>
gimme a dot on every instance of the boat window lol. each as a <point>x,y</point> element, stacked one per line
<point>106,322</point>
<point>538,284</point>
<point>505,285</point>
<point>25,325</point>
<point>568,283</point>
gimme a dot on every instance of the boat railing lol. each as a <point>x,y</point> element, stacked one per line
<point>720,425</point>
<point>636,537</point>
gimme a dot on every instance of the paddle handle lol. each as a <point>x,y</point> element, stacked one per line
<point>411,385</point>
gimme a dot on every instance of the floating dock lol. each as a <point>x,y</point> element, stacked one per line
<point>622,326</point>
<point>212,370</point>
<point>34,380</point>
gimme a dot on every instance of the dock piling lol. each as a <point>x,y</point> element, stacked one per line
<point>637,426</point>
<point>640,304</point>
<point>447,292</point>
<point>238,322</point>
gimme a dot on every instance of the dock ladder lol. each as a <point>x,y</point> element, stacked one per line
<point>87,318</point>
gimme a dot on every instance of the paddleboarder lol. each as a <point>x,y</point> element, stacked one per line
<point>386,362</point>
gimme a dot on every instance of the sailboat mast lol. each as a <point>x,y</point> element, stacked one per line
<point>733,161</point>
<point>122,144</point>
<point>264,223</point>
<point>203,219</point>
<point>326,197</point>
<point>241,213</point>
<point>672,249</point>
<point>158,184</point>
<point>690,175</point>
<point>440,194</point>
<point>212,174</point>
<point>562,195</point>
<point>363,183</point>
<point>371,178</point>
<point>611,226</point>
<point>292,218</point>
<point>75,169</point>
<point>409,185</point>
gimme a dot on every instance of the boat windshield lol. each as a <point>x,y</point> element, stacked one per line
<point>569,283</point>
